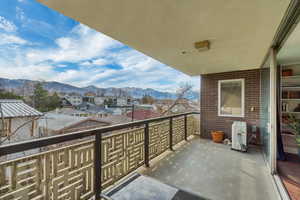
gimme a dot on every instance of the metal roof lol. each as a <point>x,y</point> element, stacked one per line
<point>56,122</point>
<point>17,108</point>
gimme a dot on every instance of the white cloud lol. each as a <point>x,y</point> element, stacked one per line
<point>82,44</point>
<point>6,25</point>
<point>11,39</point>
<point>91,50</point>
<point>96,62</point>
<point>100,62</point>
<point>32,72</point>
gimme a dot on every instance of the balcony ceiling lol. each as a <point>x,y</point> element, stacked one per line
<point>240,31</point>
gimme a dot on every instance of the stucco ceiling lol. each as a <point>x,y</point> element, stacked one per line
<point>240,32</point>
<point>290,52</point>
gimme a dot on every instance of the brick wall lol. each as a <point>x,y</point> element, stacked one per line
<point>210,121</point>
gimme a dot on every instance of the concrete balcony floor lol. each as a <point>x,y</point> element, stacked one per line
<point>216,172</point>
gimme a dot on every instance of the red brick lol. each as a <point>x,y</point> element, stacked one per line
<point>210,121</point>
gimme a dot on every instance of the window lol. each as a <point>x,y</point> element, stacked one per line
<point>231,98</point>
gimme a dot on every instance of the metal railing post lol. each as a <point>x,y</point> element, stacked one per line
<point>146,150</point>
<point>171,133</point>
<point>185,127</point>
<point>97,166</point>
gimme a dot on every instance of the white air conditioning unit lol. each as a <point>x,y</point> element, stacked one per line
<point>239,136</point>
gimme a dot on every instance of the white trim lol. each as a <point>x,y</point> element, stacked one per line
<point>242,80</point>
<point>273,111</point>
<point>280,188</point>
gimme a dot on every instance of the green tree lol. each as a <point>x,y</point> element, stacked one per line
<point>53,102</point>
<point>40,97</point>
<point>8,95</point>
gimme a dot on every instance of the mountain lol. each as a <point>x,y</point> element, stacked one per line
<point>21,86</point>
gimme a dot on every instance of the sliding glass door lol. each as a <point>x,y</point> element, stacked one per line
<point>268,110</point>
<point>265,110</point>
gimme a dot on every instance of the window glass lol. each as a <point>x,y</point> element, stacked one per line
<point>231,98</point>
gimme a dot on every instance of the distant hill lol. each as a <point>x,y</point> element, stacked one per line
<point>20,86</point>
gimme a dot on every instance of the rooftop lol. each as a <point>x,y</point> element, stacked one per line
<point>17,108</point>
<point>58,121</point>
<point>116,119</point>
<point>143,114</point>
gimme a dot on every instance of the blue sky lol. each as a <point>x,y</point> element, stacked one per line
<point>38,43</point>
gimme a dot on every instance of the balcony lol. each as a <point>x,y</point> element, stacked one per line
<point>165,148</point>
<point>216,172</point>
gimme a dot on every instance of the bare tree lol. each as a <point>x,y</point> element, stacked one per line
<point>7,137</point>
<point>27,88</point>
<point>183,89</point>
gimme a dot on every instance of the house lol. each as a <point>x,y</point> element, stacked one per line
<point>89,97</point>
<point>115,111</point>
<point>115,101</point>
<point>141,114</point>
<point>116,119</point>
<point>182,107</point>
<point>246,52</point>
<point>52,124</point>
<point>65,103</point>
<point>146,106</point>
<point>99,101</point>
<point>19,122</point>
<point>75,100</point>
<point>135,101</point>
<point>123,101</point>
<point>94,111</point>
<point>71,112</point>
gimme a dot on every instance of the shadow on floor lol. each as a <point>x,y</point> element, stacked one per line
<point>216,172</point>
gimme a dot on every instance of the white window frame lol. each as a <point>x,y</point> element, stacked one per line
<point>243,97</point>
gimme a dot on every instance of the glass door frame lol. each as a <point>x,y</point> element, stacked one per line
<point>269,104</point>
<point>273,111</point>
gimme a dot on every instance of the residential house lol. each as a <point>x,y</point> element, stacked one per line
<point>182,107</point>
<point>94,111</point>
<point>135,101</point>
<point>71,112</point>
<point>89,97</point>
<point>65,103</point>
<point>18,122</point>
<point>99,101</point>
<point>146,106</point>
<point>52,124</point>
<point>141,114</point>
<point>115,111</point>
<point>123,101</point>
<point>115,101</point>
<point>75,100</point>
<point>116,119</point>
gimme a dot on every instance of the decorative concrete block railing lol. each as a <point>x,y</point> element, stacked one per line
<point>83,169</point>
